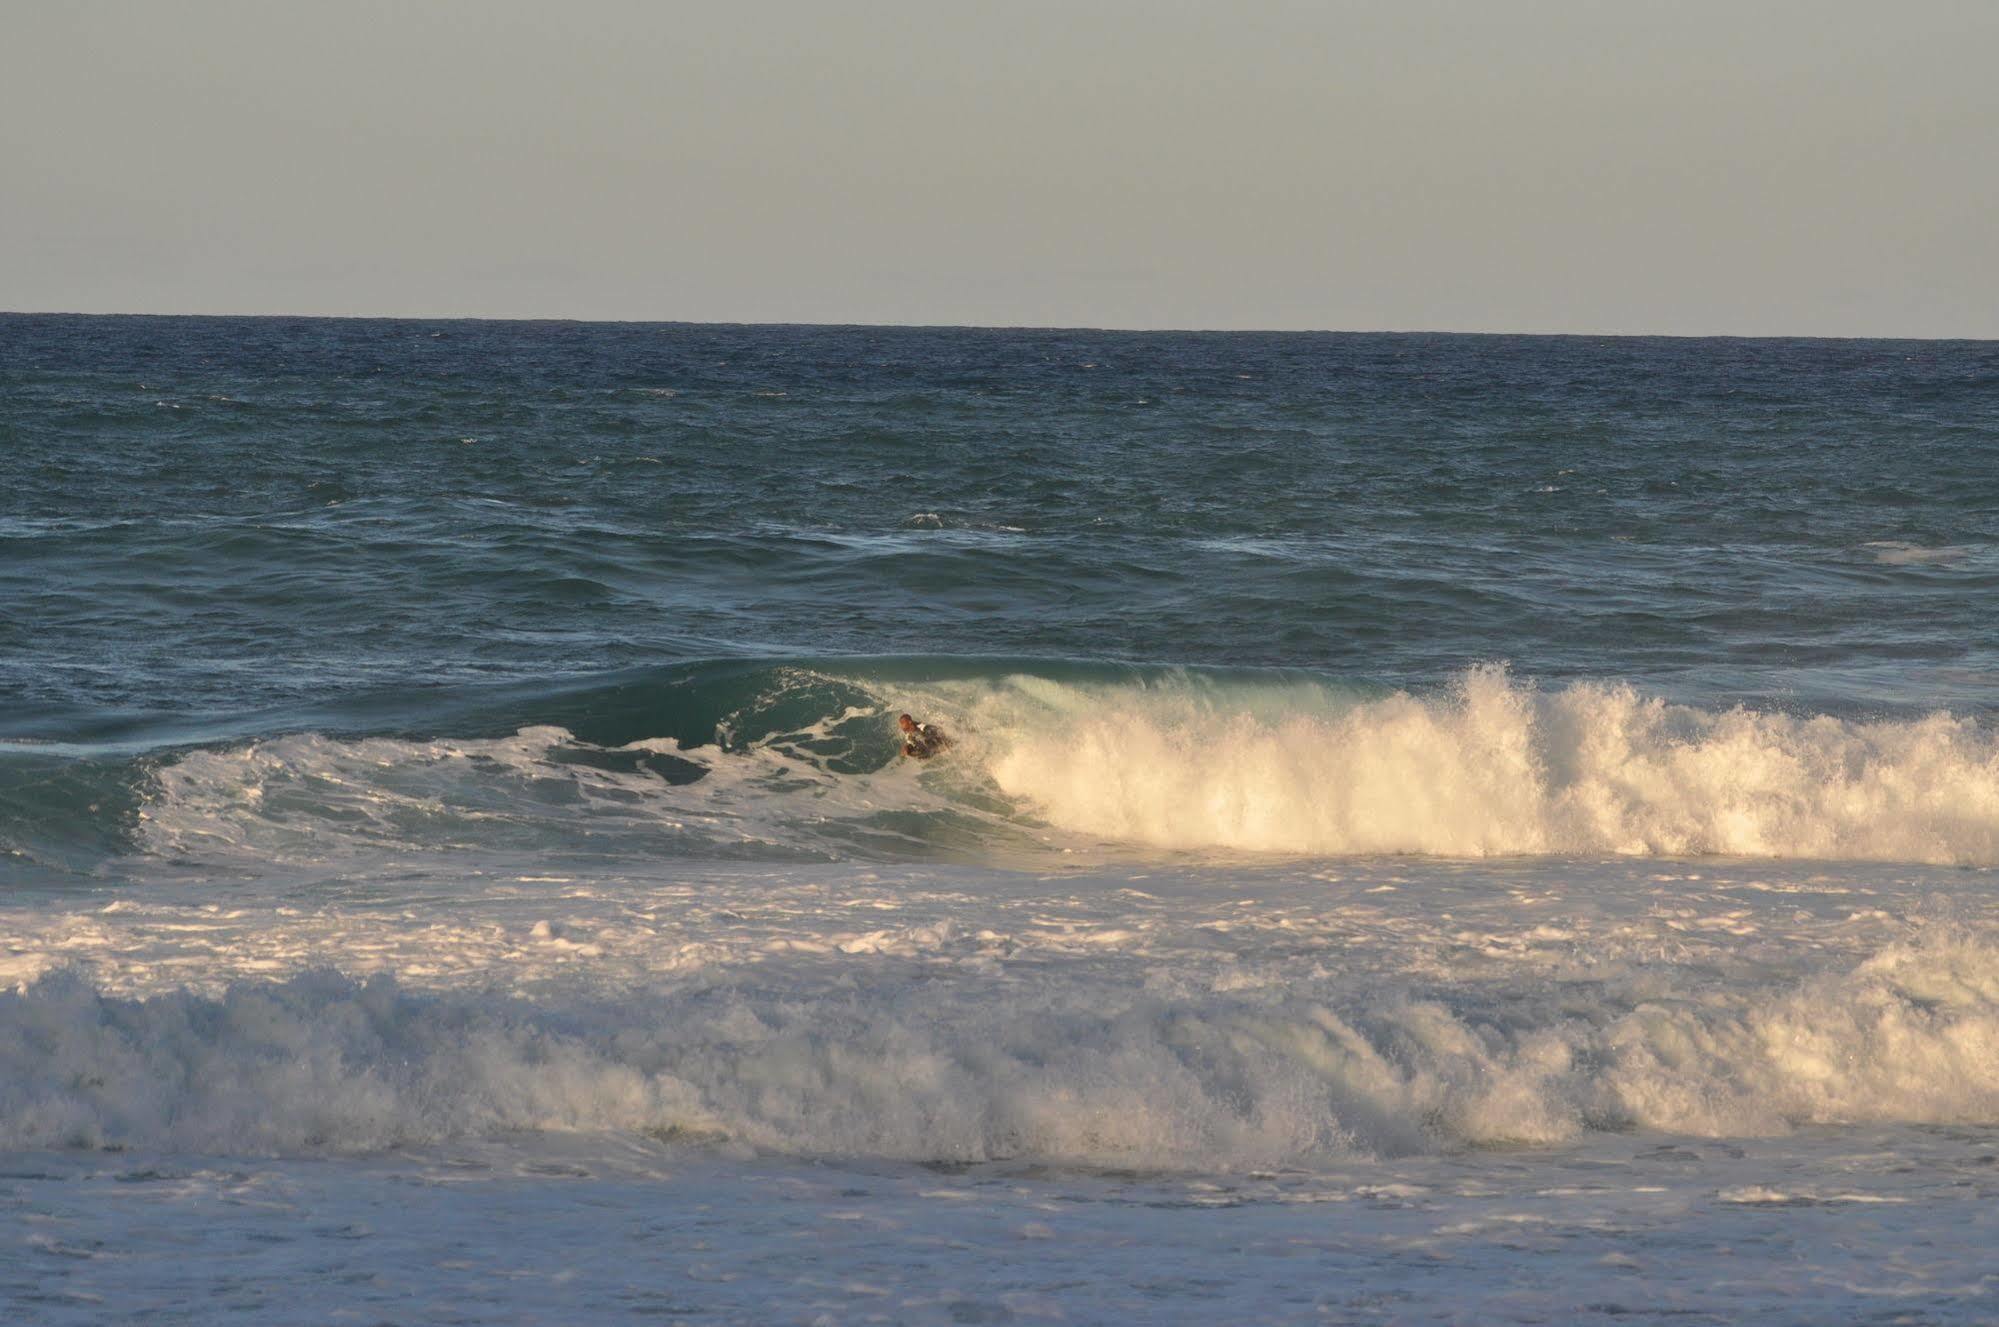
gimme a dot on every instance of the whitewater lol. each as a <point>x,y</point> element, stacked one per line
<point>1439,829</point>
<point>1171,760</point>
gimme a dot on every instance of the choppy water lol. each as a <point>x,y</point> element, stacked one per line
<point>1399,778</point>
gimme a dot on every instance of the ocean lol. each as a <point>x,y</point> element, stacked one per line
<point>1437,828</point>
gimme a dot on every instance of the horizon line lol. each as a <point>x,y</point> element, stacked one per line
<point>996,327</point>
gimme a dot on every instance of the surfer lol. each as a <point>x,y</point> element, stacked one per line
<point>920,741</point>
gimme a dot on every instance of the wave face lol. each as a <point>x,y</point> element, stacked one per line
<point>1065,1070</point>
<point>798,761</point>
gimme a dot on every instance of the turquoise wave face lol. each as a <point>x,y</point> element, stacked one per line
<point>778,759</point>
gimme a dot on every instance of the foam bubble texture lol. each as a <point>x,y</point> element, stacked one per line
<point>1493,767</point>
<point>1069,1070</point>
<point>1500,768</point>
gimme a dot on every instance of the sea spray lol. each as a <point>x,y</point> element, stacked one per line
<point>1495,766</point>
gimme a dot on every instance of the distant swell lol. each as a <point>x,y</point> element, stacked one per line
<point>1062,1070</point>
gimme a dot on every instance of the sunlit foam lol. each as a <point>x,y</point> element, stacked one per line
<point>1067,1069</point>
<point>1181,762</point>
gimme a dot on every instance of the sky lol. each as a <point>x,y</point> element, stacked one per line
<point>1748,167</point>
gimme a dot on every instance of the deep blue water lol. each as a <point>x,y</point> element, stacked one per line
<point>213,529</point>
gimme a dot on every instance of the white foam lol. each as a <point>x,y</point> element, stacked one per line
<point>1078,1066</point>
<point>1493,767</point>
<point>1499,767</point>
<point>1897,553</point>
<point>308,797</point>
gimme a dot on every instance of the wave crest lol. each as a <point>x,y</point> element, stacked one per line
<point>1167,761</point>
<point>1498,768</point>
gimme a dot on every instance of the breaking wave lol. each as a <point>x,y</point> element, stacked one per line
<point>790,762</point>
<point>1496,767</point>
<point>1070,1070</point>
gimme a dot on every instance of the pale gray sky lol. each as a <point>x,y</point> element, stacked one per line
<point>1701,166</point>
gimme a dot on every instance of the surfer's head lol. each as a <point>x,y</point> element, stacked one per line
<point>907,724</point>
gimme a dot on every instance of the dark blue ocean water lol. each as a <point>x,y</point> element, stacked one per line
<point>217,529</point>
